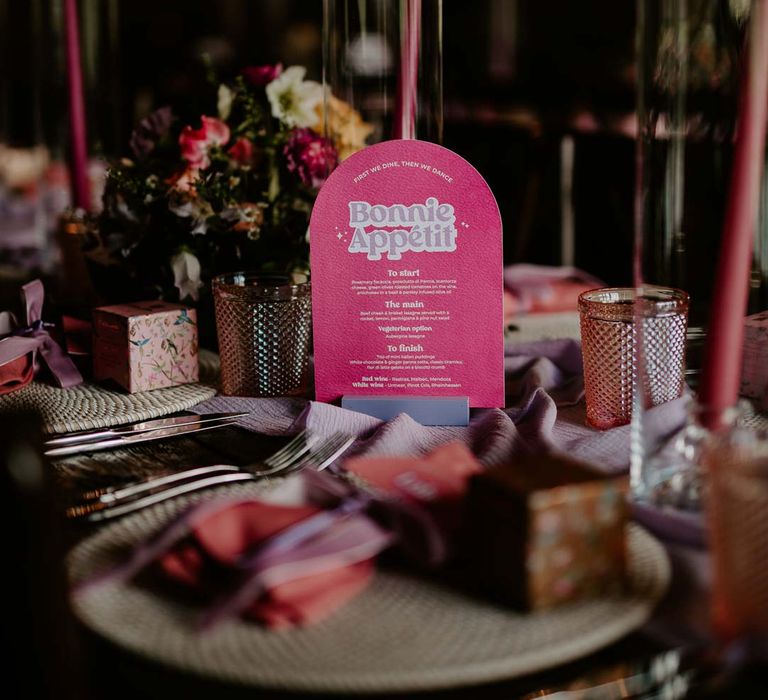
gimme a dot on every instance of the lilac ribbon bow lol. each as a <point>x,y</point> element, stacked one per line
<point>34,336</point>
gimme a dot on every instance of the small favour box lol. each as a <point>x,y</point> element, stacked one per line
<point>754,367</point>
<point>544,531</point>
<point>145,345</point>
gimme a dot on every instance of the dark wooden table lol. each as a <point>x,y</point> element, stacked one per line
<point>115,673</point>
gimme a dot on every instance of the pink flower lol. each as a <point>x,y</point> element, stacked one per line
<point>184,181</point>
<point>242,152</point>
<point>311,156</point>
<point>196,143</point>
<point>260,76</point>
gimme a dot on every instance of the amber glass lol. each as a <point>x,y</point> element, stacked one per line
<point>611,360</point>
<point>264,326</point>
<point>737,503</point>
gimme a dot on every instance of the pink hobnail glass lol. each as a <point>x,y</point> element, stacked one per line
<point>621,333</point>
<point>264,328</point>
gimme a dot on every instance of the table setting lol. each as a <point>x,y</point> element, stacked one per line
<point>300,428</point>
<point>566,633</point>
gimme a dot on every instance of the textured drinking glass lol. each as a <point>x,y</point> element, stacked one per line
<point>385,59</point>
<point>264,328</point>
<point>691,60</point>
<point>736,465</point>
<point>690,63</point>
<point>609,338</point>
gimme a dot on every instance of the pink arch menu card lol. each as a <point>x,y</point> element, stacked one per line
<point>407,291</point>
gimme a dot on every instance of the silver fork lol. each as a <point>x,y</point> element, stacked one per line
<point>319,458</point>
<point>295,449</point>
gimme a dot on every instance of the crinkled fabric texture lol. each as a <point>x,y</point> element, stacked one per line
<point>544,412</point>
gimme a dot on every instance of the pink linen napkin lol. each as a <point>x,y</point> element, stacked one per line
<point>16,373</point>
<point>211,557</point>
<point>437,481</point>
<point>430,490</point>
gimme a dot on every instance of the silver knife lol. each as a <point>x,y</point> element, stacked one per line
<point>137,438</point>
<point>135,428</point>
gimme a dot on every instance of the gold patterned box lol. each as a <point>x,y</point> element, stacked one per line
<point>546,530</point>
<point>145,345</point>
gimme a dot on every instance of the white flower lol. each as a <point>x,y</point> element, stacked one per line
<point>224,102</point>
<point>246,217</point>
<point>186,275</point>
<point>294,100</point>
<point>192,208</point>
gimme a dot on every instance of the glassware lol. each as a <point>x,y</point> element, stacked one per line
<point>264,326</point>
<point>689,71</point>
<point>34,135</point>
<point>736,465</point>
<point>690,65</point>
<point>384,58</point>
<point>609,335</point>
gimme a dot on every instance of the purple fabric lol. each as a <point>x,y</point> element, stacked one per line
<point>35,337</point>
<point>544,412</point>
<point>672,525</point>
<point>531,283</point>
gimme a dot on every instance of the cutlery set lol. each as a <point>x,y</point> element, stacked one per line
<point>303,451</point>
<point>136,433</point>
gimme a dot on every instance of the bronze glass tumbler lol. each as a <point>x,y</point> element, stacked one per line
<point>736,467</point>
<point>264,327</point>
<point>629,346</point>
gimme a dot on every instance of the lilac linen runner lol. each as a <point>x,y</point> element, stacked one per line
<point>544,412</point>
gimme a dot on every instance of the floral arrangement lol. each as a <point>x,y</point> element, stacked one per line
<point>232,192</point>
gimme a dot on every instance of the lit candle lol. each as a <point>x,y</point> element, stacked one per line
<point>79,151</point>
<point>722,362</point>
<point>407,81</point>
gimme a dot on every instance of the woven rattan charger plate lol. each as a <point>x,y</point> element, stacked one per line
<point>90,406</point>
<point>403,634</point>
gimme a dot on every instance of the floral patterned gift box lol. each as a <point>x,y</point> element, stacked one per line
<point>543,530</point>
<point>145,345</point>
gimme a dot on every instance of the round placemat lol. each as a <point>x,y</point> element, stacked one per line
<point>402,634</point>
<point>90,406</point>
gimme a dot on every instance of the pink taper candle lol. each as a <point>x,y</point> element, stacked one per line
<point>78,145</point>
<point>725,338</point>
<point>407,79</point>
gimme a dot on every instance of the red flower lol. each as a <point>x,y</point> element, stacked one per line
<point>262,75</point>
<point>196,143</point>
<point>242,152</point>
<point>311,156</point>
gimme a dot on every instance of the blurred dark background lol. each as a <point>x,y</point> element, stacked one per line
<point>538,96</point>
